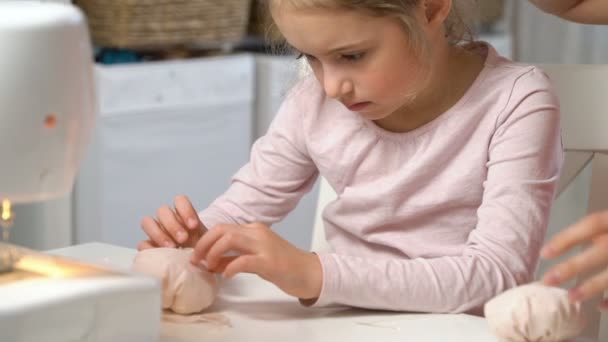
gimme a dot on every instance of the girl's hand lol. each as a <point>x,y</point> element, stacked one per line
<point>173,227</point>
<point>263,252</point>
<point>592,229</point>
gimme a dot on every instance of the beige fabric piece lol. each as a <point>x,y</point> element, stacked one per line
<point>534,312</point>
<point>186,288</point>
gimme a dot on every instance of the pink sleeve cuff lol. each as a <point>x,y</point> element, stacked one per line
<point>330,283</point>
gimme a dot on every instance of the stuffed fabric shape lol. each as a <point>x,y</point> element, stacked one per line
<point>186,288</point>
<point>534,312</point>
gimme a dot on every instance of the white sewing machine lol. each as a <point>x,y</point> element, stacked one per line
<point>47,112</point>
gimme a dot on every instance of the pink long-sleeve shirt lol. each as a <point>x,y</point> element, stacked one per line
<point>438,219</point>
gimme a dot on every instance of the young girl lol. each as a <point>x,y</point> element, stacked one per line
<point>444,156</point>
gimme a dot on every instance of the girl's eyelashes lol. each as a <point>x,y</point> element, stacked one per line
<point>349,57</point>
<point>353,57</point>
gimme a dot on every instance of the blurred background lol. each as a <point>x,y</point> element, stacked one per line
<point>185,88</point>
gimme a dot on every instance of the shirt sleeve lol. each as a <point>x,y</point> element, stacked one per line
<point>525,159</point>
<point>277,175</point>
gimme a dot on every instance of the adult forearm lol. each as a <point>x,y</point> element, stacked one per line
<point>582,11</point>
<point>557,7</point>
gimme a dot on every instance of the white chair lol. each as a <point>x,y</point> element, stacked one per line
<point>583,94</point>
<point>326,195</point>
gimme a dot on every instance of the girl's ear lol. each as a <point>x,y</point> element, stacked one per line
<point>436,11</point>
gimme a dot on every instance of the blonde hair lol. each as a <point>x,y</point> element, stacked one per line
<point>458,25</point>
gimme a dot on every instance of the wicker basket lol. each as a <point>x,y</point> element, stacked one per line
<point>260,19</point>
<point>160,24</point>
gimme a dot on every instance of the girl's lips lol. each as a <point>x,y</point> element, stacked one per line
<point>357,106</point>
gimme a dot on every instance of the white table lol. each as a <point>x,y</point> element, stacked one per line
<point>259,311</point>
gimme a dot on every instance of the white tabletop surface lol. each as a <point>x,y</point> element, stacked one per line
<point>259,311</point>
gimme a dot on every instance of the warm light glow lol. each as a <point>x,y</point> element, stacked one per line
<point>7,213</point>
<point>43,267</point>
<point>55,267</point>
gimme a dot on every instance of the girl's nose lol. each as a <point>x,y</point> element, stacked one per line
<point>336,86</point>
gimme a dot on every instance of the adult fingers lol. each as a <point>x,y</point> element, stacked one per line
<point>592,258</point>
<point>604,305</point>
<point>590,287</point>
<point>580,232</point>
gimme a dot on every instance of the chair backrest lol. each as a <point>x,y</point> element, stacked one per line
<point>326,195</point>
<point>583,96</point>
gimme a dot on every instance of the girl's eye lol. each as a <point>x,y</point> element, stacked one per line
<point>353,57</point>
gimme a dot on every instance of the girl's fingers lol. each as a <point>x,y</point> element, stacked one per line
<point>241,264</point>
<point>193,238</point>
<point>187,213</point>
<point>222,263</point>
<point>582,231</point>
<point>207,240</point>
<point>156,232</point>
<point>233,240</point>
<point>591,259</point>
<point>590,287</point>
<point>147,244</point>
<point>170,222</point>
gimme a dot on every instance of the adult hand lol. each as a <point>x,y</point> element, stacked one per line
<point>581,11</point>
<point>593,229</point>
